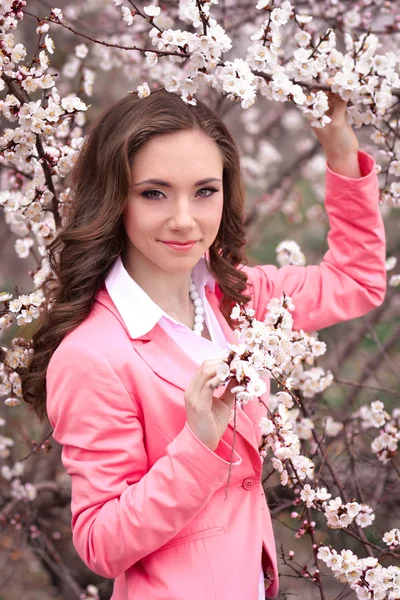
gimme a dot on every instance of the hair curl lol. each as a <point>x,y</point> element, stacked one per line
<point>85,250</point>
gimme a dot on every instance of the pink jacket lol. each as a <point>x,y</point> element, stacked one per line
<point>148,498</point>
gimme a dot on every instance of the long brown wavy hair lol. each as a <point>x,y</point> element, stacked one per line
<point>85,250</point>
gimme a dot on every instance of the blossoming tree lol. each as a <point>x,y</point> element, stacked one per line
<point>271,65</point>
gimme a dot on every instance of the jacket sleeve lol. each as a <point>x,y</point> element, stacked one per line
<point>122,510</point>
<point>351,278</point>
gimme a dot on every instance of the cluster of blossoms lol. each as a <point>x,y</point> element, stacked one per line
<point>5,442</point>
<point>362,76</point>
<point>365,576</point>
<point>13,359</point>
<point>33,119</point>
<point>43,143</point>
<point>272,349</point>
<point>392,538</point>
<point>18,355</point>
<point>205,52</point>
<point>11,13</point>
<point>303,426</point>
<point>296,351</point>
<point>25,308</point>
<point>391,262</point>
<point>385,446</point>
<point>290,53</point>
<point>18,490</point>
<point>128,14</point>
<point>10,385</point>
<point>39,150</point>
<point>314,498</point>
<point>279,436</point>
<point>338,514</point>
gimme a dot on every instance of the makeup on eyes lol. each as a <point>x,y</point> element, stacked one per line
<point>146,193</point>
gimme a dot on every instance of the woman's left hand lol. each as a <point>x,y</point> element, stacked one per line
<point>338,139</point>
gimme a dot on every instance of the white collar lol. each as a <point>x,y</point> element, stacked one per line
<point>138,311</point>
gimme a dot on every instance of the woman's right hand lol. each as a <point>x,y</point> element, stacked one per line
<point>207,415</point>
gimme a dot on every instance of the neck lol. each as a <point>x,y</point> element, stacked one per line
<point>169,290</point>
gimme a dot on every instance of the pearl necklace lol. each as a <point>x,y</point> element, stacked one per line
<point>198,308</point>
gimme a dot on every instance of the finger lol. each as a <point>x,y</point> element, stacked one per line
<point>207,369</point>
<point>203,375</point>
<point>205,398</point>
<point>214,383</point>
<point>228,397</point>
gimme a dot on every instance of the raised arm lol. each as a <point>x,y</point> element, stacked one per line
<point>351,279</point>
<point>122,508</point>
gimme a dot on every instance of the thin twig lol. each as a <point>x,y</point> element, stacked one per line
<point>233,449</point>
<point>103,42</point>
<point>367,387</point>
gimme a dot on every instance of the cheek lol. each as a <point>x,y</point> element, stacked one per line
<point>138,221</point>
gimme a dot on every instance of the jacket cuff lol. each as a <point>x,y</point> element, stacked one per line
<point>223,451</point>
<point>200,462</point>
<point>367,167</point>
<point>362,191</point>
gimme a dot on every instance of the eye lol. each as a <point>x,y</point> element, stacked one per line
<point>150,193</point>
<point>209,189</point>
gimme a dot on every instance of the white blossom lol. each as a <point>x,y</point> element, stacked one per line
<point>151,10</point>
<point>151,58</point>
<point>392,537</point>
<point>127,15</point>
<point>143,90</point>
<point>22,247</point>
<point>332,427</point>
<point>289,253</point>
<point>390,263</point>
<point>81,51</point>
<point>5,296</point>
<point>49,44</point>
<point>394,281</point>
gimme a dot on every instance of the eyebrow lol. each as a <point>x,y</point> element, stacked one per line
<point>168,185</point>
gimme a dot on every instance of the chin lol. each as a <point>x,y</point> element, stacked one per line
<point>179,264</point>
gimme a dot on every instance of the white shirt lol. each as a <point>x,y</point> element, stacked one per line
<point>140,314</point>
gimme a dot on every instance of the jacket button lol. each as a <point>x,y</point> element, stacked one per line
<point>248,483</point>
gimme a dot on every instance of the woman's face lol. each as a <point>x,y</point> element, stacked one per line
<point>183,202</point>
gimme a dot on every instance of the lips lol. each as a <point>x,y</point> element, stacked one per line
<point>180,246</point>
<point>177,243</point>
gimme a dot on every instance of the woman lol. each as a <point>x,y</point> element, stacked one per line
<point>149,268</point>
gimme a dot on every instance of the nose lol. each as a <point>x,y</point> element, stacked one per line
<point>182,218</point>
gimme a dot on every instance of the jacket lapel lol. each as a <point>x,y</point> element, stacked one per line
<point>165,358</point>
